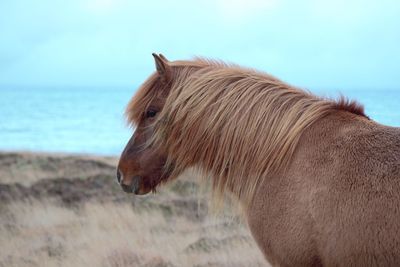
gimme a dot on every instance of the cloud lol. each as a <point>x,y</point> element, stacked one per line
<point>240,10</point>
<point>103,6</point>
<point>103,42</point>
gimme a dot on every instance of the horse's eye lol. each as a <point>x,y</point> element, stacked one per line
<point>151,113</point>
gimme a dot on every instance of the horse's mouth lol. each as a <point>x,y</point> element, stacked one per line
<point>135,186</point>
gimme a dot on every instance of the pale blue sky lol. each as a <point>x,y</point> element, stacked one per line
<point>338,44</point>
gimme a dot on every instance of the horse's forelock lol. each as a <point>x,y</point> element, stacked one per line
<point>141,100</point>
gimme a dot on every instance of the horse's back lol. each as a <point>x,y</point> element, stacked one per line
<point>338,204</point>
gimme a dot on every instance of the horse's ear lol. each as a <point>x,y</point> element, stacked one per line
<point>163,57</point>
<point>162,67</point>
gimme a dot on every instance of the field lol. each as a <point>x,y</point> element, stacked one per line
<point>67,210</point>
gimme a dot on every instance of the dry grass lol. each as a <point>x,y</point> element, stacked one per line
<point>156,231</point>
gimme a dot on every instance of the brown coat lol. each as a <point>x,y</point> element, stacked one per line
<point>338,204</point>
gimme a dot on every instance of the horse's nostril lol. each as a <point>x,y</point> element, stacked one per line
<point>119,175</point>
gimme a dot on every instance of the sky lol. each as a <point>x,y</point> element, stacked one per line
<point>339,44</point>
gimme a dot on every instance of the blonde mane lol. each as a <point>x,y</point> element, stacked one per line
<point>235,124</point>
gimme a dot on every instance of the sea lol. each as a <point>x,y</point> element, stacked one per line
<point>90,120</point>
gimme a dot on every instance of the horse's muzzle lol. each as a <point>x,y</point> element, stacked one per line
<point>134,187</point>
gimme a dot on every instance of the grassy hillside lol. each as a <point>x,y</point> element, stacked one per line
<point>63,210</point>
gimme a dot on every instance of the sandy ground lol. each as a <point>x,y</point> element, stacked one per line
<point>67,210</point>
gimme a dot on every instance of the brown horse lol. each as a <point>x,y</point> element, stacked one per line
<point>319,181</point>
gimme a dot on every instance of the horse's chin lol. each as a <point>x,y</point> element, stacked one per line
<point>143,192</point>
<point>144,189</point>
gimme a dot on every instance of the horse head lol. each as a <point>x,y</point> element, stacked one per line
<point>142,164</point>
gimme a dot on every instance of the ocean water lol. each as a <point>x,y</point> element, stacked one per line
<point>78,120</point>
<point>91,120</point>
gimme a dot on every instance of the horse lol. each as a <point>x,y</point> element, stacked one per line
<point>318,180</point>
